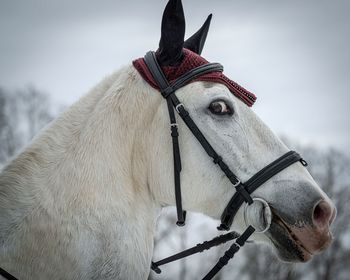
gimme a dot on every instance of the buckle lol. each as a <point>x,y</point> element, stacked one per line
<point>178,106</point>
<point>237,184</point>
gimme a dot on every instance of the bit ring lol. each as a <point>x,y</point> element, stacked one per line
<point>267,214</point>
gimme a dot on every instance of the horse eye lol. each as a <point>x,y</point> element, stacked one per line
<point>220,107</point>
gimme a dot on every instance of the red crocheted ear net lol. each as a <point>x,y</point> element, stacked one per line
<point>192,60</point>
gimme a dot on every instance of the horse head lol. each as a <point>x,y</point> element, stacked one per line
<point>301,212</point>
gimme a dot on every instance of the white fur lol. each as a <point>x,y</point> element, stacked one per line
<point>81,201</point>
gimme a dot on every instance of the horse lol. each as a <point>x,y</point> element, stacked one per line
<point>81,201</point>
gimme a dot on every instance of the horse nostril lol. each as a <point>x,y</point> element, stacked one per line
<point>323,214</point>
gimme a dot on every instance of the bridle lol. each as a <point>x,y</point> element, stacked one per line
<point>243,190</point>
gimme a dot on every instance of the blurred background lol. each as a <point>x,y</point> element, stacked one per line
<point>294,55</point>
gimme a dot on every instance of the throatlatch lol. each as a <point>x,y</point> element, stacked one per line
<point>243,190</point>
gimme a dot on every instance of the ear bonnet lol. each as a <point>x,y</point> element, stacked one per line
<point>190,61</point>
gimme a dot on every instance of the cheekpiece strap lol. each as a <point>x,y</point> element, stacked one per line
<point>167,90</point>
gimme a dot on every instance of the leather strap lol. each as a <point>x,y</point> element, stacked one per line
<point>229,254</point>
<point>206,245</point>
<point>166,91</point>
<point>7,275</point>
<point>181,215</point>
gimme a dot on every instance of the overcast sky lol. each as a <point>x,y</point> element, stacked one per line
<point>294,55</point>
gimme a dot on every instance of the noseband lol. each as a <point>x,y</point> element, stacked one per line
<point>243,190</point>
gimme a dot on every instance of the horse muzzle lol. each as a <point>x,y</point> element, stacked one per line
<point>300,240</point>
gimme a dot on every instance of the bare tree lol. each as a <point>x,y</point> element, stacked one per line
<point>22,114</point>
<point>36,109</point>
<point>9,137</point>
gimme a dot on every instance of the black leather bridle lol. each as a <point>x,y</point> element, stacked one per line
<point>243,190</point>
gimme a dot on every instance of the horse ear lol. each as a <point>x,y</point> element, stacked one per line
<point>196,42</point>
<point>173,34</point>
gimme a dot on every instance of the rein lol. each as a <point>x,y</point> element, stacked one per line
<point>243,190</point>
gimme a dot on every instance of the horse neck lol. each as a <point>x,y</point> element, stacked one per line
<point>90,164</point>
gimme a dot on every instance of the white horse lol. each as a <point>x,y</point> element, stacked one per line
<point>82,200</point>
